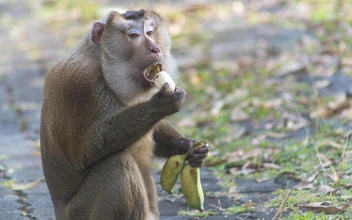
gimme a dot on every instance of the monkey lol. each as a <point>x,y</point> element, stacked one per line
<point>103,120</point>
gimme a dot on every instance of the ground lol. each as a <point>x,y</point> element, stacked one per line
<point>269,86</point>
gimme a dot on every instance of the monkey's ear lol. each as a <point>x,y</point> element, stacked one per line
<point>97,30</point>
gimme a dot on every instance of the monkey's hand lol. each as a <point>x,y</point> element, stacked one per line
<point>168,102</point>
<point>196,157</point>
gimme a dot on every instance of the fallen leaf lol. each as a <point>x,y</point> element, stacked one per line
<point>276,135</point>
<point>239,115</point>
<point>322,83</point>
<point>317,207</point>
<point>346,61</point>
<point>187,122</point>
<point>292,68</point>
<point>255,166</point>
<point>312,177</point>
<point>334,177</point>
<point>26,186</point>
<point>339,104</point>
<point>37,153</point>
<point>253,153</point>
<point>297,124</point>
<point>304,185</point>
<point>217,107</point>
<point>271,166</point>
<point>326,189</point>
<point>236,171</point>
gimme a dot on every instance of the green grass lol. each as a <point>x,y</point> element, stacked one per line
<point>322,153</point>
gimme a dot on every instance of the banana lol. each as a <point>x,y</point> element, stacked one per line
<point>192,187</point>
<point>191,184</point>
<point>171,171</point>
<point>164,77</point>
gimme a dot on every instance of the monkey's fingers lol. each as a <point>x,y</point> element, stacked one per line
<point>194,162</point>
<point>190,148</point>
<point>165,88</point>
<point>164,77</point>
<point>203,150</point>
<point>198,156</point>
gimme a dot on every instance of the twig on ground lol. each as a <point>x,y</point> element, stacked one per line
<point>219,207</point>
<point>281,209</point>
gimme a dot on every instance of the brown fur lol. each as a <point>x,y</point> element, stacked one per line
<point>99,123</point>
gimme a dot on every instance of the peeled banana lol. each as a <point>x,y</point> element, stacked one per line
<point>192,187</point>
<point>164,77</point>
<point>171,170</point>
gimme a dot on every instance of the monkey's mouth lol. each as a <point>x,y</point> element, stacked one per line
<point>151,73</point>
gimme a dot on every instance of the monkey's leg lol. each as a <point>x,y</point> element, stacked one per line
<point>113,189</point>
<point>152,195</point>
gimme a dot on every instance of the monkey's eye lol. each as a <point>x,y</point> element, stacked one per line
<point>150,33</point>
<point>133,35</point>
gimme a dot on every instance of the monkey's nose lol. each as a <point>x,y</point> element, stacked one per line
<point>154,49</point>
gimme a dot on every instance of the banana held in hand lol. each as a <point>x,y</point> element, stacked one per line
<point>192,187</point>
<point>164,77</point>
<point>171,169</point>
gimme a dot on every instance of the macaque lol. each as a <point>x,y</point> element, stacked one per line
<point>103,119</point>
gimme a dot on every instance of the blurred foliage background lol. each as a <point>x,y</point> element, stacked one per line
<point>268,82</point>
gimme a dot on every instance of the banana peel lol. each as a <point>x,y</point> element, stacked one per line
<point>191,184</point>
<point>189,178</point>
<point>170,172</point>
<point>192,187</point>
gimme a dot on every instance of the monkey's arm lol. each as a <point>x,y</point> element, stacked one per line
<point>166,138</point>
<point>122,129</point>
<point>170,142</point>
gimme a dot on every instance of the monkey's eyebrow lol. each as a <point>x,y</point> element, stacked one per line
<point>150,24</point>
<point>128,25</point>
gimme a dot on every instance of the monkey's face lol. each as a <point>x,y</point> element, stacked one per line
<point>132,44</point>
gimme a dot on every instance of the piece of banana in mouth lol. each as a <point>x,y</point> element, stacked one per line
<point>164,77</point>
<point>155,74</point>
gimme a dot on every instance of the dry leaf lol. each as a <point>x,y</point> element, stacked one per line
<point>271,166</point>
<point>292,68</point>
<point>273,103</point>
<point>236,171</point>
<point>254,166</point>
<point>253,153</point>
<point>332,108</point>
<point>326,189</point>
<point>37,153</point>
<point>26,186</point>
<point>276,135</point>
<point>187,122</point>
<point>320,207</point>
<point>296,124</point>
<point>346,61</point>
<point>312,177</point>
<point>239,115</point>
<point>322,83</point>
<point>304,185</point>
<point>334,177</point>
<point>217,107</point>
